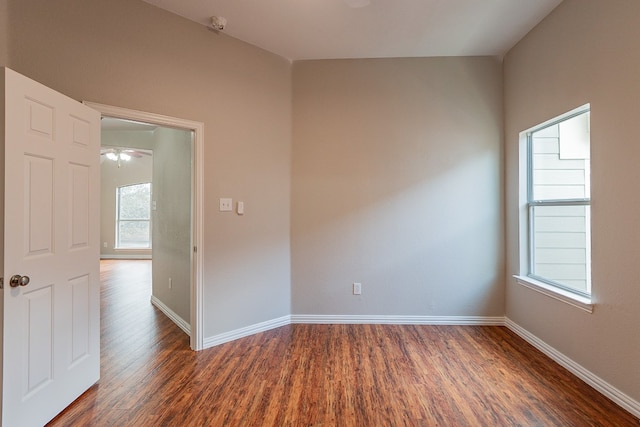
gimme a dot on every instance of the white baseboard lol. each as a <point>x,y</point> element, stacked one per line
<point>182,324</point>
<point>124,256</point>
<point>246,331</point>
<point>579,371</point>
<point>322,319</point>
<point>397,320</point>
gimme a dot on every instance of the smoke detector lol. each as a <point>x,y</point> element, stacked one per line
<point>218,23</point>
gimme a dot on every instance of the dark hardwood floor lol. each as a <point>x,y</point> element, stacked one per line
<point>322,375</point>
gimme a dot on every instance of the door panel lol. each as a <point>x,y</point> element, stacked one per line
<point>79,207</point>
<point>81,319</point>
<point>38,312</point>
<point>38,209</point>
<point>50,327</point>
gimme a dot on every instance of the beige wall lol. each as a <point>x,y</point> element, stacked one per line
<point>133,55</point>
<point>172,219</point>
<point>397,185</point>
<point>135,171</point>
<point>585,51</point>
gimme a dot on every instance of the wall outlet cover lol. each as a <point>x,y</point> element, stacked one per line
<point>357,288</point>
<point>226,205</point>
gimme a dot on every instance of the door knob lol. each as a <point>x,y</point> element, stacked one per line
<point>18,280</point>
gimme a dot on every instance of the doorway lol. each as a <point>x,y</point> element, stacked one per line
<point>176,205</point>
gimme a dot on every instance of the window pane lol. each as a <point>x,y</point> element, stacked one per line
<point>561,245</point>
<point>135,202</point>
<point>133,216</point>
<point>560,160</point>
<point>133,234</point>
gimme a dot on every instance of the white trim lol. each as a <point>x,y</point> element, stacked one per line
<point>620,398</point>
<point>246,331</point>
<point>196,318</point>
<point>182,324</point>
<point>397,320</point>
<point>560,118</point>
<point>124,256</point>
<point>566,297</point>
<point>349,319</point>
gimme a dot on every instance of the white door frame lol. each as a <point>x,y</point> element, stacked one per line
<point>196,315</point>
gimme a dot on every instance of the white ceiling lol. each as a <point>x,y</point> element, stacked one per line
<point>329,29</point>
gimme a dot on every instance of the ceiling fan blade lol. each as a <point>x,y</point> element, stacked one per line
<point>120,152</point>
<point>136,153</point>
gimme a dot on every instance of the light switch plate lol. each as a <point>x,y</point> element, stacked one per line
<point>357,288</point>
<point>226,205</point>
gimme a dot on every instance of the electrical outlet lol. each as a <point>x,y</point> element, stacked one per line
<point>226,205</point>
<point>104,244</point>
<point>357,288</point>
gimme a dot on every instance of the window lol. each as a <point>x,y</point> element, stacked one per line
<point>133,216</point>
<point>558,203</point>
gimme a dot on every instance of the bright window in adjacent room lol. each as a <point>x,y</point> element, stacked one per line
<point>133,216</point>
<point>558,202</point>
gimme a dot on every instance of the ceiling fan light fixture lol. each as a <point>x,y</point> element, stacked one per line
<point>125,157</point>
<point>112,156</point>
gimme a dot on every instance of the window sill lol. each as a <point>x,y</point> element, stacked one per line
<point>577,301</point>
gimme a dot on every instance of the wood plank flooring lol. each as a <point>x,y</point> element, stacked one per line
<point>322,375</point>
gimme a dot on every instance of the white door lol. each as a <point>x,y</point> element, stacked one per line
<point>50,325</point>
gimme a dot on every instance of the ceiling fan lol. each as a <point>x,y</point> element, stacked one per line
<point>119,155</point>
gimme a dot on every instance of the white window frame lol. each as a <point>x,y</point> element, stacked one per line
<point>118,220</point>
<point>527,203</point>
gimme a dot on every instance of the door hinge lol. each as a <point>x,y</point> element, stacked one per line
<point>1,282</point>
<point>195,249</point>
